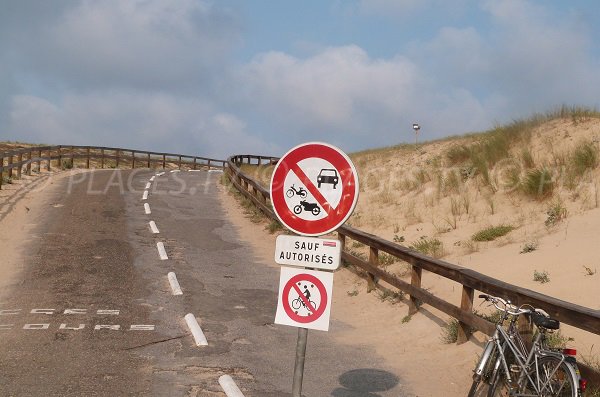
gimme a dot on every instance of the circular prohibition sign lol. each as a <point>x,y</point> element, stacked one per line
<point>314,313</point>
<point>334,216</point>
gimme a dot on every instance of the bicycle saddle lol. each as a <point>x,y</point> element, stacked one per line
<point>545,322</point>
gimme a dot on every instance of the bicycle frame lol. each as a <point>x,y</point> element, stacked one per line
<point>503,340</point>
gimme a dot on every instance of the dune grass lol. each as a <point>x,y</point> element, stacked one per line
<point>491,233</point>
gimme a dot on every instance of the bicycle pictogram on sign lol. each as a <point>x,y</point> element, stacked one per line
<point>304,298</point>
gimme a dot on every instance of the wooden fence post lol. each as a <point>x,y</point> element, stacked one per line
<point>374,261</point>
<point>10,170</point>
<point>101,158</point>
<point>342,239</point>
<point>49,159</point>
<point>209,164</point>
<point>72,157</point>
<point>87,159</point>
<point>117,156</point>
<point>29,162</point>
<point>132,160</point>
<point>415,280</point>
<point>148,160</point>
<point>466,304</point>
<point>179,164</point>
<point>40,161</point>
<point>195,162</point>
<point>164,161</point>
<point>20,167</point>
<point>1,171</point>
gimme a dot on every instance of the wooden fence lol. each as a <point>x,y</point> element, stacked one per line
<point>13,162</point>
<point>470,281</point>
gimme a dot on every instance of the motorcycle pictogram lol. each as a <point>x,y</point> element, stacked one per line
<point>308,207</point>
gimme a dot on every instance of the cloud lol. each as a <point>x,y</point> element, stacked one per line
<point>154,44</point>
<point>340,90</point>
<point>139,121</point>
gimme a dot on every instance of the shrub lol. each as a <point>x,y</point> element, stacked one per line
<point>556,212</point>
<point>458,154</point>
<point>450,332</point>
<point>527,158</point>
<point>67,164</point>
<point>491,233</point>
<point>583,158</point>
<point>541,277</point>
<point>386,259</point>
<point>538,183</point>
<point>432,247</point>
<point>529,247</point>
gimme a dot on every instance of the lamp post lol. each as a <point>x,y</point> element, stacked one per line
<point>416,127</point>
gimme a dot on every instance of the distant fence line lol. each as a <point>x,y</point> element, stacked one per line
<point>12,162</point>
<point>578,316</point>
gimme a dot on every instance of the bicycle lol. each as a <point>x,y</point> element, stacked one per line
<point>297,303</point>
<point>508,368</point>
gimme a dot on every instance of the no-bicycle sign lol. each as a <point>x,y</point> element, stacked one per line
<point>304,298</point>
<point>314,189</point>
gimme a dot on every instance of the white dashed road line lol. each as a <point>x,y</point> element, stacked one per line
<point>147,208</point>
<point>195,329</point>
<point>148,185</point>
<point>152,178</point>
<point>174,284</point>
<point>145,195</point>
<point>229,386</point>
<point>161,251</point>
<point>153,227</point>
<point>160,174</point>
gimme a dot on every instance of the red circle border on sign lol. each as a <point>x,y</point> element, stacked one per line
<point>349,182</point>
<point>285,299</point>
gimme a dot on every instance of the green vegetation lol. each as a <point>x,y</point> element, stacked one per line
<point>386,259</point>
<point>556,340</point>
<point>529,247</point>
<point>432,247</point>
<point>450,332</point>
<point>541,277</point>
<point>583,158</point>
<point>556,213</point>
<point>493,232</point>
<point>538,183</point>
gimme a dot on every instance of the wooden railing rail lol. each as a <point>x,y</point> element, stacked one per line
<point>578,316</point>
<point>13,161</point>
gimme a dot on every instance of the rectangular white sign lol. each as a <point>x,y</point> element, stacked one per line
<point>317,253</point>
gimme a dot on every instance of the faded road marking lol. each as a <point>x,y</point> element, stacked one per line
<point>145,195</point>
<point>147,208</point>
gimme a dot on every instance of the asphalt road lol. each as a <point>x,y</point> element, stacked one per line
<point>94,314</point>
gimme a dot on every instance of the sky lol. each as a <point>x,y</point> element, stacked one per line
<point>223,77</point>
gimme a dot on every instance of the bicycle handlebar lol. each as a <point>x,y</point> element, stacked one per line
<point>507,306</point>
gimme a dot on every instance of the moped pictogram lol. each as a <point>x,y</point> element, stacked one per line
<point>299,192</point>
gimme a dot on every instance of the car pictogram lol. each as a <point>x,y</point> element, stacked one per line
<point>328,175</point>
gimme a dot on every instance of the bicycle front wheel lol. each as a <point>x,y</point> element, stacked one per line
<point>554,379</point>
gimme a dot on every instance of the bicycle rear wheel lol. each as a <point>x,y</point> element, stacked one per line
<point>555,380</point>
